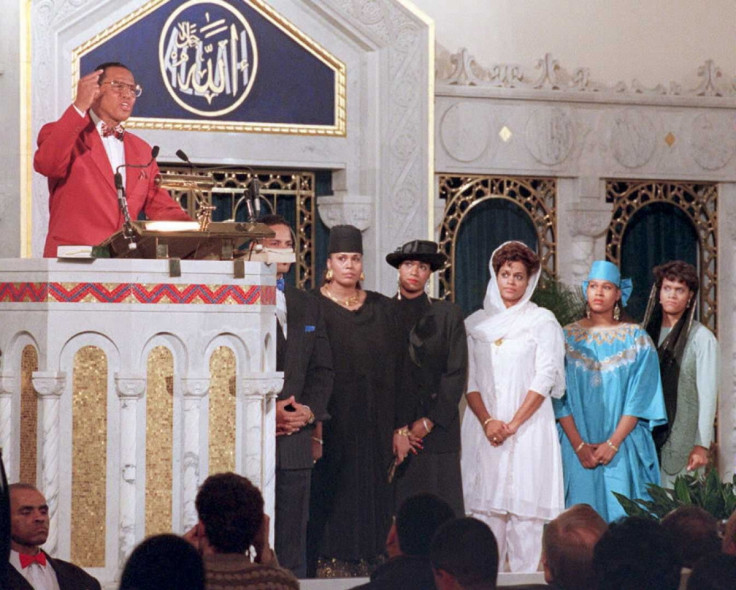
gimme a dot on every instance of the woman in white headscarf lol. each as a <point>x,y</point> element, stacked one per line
<point>511,465</point>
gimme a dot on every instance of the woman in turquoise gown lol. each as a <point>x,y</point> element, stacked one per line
<point>612,403</point>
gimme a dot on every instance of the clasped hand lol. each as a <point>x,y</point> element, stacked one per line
<point>497,431</point>
<point>594,455</point>
<point>289,422</point>
<point>404,444</point>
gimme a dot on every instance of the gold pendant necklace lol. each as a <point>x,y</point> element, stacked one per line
<point>349,302</point>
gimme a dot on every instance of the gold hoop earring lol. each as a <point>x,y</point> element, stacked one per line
<point>617,312</point>
<point>328,275</point>
<point>362,277</point>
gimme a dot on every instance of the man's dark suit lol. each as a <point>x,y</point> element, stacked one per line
<point>69,576</point>
<point>306,360</point>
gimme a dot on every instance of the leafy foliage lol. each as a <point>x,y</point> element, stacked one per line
<point>567,304</point>
<point>707,491</point>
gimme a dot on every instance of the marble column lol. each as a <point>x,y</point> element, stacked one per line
<point>259,431</point>
<point>130,390</point>
<point>9,384</point>
<point>194,391</point>
<point>50,385</point>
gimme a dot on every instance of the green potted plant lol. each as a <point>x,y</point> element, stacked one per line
<point>706,491</point>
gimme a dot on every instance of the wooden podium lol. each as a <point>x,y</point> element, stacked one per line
<point>123,387</point>
<point>193,240</point>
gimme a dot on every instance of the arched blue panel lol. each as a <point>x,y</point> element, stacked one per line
<point>656,233</point>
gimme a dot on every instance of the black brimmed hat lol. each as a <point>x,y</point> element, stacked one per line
<point>421,250</point>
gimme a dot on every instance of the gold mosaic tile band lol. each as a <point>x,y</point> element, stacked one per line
<point>222,411</point>
<point>28,416</point>
<point>159,441</point>
<point>89,457</point>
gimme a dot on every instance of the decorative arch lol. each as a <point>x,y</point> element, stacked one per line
<point>699,202</point>
<point>535,196</point>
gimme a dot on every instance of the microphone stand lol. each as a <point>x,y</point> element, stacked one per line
<point>251,195</point>
<point>128,230</point>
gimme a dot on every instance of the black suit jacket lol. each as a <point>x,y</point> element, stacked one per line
<point>69,576</point>
<point>308,374</point>
<point>436,375</point>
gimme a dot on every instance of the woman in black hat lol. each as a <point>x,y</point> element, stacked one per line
<point>351,498</point>
<point>435,375</point>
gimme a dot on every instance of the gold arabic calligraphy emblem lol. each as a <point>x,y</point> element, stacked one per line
<point>208,57</point>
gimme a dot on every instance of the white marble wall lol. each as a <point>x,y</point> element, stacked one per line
<point>557,120</point>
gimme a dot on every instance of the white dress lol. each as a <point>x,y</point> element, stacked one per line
<point>512,351</point>
<point>523,476</point>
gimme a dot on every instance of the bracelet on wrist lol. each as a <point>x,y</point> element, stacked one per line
<point>318,440</point>
<point>426,426</point>
<point>487,420</point>
<point>610,444</point>
<point>402,431</point>
<point>580,446</point>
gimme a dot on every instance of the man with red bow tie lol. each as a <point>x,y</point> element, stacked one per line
<point>80,153</point>
<point>32,568</point>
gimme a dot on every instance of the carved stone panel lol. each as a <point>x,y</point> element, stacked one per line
<point>633,138</point>
<point>550,135</point>
<point>465,131</point>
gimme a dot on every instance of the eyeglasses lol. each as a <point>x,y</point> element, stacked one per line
<point>121,88</point>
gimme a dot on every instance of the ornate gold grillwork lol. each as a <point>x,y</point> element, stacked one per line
<point>535,196</point>
<point>298,188</point>
<point>699,201</point>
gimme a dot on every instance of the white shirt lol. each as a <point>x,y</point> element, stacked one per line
<point>113,146</point>
<point>39,576</point>
<point>281,310</point>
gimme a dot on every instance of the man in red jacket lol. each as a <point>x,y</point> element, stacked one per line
<point>80,153</point>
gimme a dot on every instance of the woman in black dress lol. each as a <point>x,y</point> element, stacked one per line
<point>351,497</point>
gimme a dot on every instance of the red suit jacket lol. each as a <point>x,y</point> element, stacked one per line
<point>83,205</point>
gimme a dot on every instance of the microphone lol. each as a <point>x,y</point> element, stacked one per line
<point>119,177</point>
<point>128,230</point>
<point>183,157</point>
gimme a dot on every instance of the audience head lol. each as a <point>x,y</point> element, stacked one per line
<point>464,555</point>
<point>636,554</point>
<point>230,508</point>
<point>729,536</point>
<point>714,572</point>
<point>567,547</point>
<point>163,562</point>
<point>694,533</point>
<point>416,523</point>
<point>29,518</point>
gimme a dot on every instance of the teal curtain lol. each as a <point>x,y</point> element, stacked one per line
<point>657,233</point>
<point>489,224</point>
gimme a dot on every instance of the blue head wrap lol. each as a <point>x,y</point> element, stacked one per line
<point>602,270</point>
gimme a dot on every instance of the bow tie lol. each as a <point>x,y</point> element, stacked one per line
<point>26,560</point>
<point>280,284</point>
<point>117,131</point>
